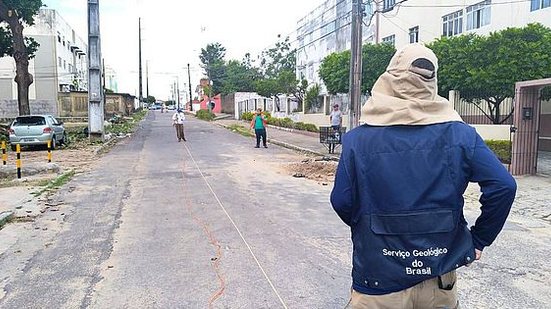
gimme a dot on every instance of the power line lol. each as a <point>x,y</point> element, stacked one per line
<point>462,5</point>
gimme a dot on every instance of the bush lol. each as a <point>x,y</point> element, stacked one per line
<point>247,116</point>
<point>205,115</point>
<point>501,148</point>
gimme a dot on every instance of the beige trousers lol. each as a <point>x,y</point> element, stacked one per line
<point>425,295</point>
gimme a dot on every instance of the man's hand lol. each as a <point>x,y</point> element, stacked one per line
<point>478,254</point>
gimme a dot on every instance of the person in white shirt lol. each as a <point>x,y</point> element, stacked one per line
<point>336,122</point>
<point>178,122</point>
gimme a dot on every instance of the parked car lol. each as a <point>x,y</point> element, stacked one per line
<point>171,107</point>
<point>36,130</point>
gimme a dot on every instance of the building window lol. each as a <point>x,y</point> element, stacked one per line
<point>452,24</point>
<point>391,39</point>
<point>539,4</point>
<point>414,34</point>
<point>64,64</point>
<point>479,15</point>
<point>60,62</point>
<point>388,5</point>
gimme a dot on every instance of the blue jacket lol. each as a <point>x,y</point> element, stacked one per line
<point>400,189</point>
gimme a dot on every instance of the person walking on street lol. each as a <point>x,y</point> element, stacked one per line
<point>336,122</point>
<point>178,122</point>
<point>259,124</point>
<point>399,185</point>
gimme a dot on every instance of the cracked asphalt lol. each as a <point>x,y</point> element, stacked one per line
<point>216,223</point>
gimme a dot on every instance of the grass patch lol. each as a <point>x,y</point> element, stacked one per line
<point>240,130</point>
<point>205,115</point>
<point>55,184</point>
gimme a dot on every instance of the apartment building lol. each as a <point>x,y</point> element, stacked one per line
<point>325,30</point>
<point>404,22</point>
<point>60,65</point>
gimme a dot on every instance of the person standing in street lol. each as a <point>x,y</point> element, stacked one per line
<point>336,122</point>
<point>399,186</point>
<point>259,124</point>
<point>178,122</point>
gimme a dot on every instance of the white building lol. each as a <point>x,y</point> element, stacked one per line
<point>323,31</point>
<point>111,79</point>
<point>60,64</point>
<point>426,20</point>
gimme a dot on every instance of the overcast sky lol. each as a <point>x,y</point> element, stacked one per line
<point>174,32</point>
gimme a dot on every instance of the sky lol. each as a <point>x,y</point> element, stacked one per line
<point>174,31</point>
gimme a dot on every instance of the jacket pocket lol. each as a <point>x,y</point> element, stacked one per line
<point>425,222</point>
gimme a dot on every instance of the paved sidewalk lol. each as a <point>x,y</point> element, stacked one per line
<point>303,141</point>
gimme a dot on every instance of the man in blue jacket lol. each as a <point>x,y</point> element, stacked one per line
<point>400,184</point>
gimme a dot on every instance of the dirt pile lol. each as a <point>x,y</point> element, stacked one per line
<point>320,169</point>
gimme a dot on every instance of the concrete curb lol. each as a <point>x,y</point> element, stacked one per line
<point>5,217</point>
<point>293,147</point>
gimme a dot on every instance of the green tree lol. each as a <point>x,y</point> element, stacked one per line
<point>487,68</point>
<point>240,76</point>
<point>311,101</point>
<point>212,61</point>
<point>335,72</point>
<point>150,99</point>
<point>335,68</point>
<point>14,16</point>
<point>277,65</point>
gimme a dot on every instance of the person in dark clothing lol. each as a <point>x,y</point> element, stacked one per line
<point>399,186</point>
<point>259,125</point>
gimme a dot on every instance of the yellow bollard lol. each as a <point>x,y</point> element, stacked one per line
<point>49,151</point>
<point>18,161</point>
<point>4,154</point>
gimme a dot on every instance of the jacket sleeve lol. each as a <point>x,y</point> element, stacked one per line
<point>343,192</point>
<point>498,189</point>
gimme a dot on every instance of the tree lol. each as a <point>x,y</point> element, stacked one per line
<point>239,76</point>
<point>311,101</point>
<point>278,70</point>
<point>150,99</point>
<point>487,68</point>
<point>335,68</point>
<point>14,16</point>
<point>375,60</point>
<point>212,61</point>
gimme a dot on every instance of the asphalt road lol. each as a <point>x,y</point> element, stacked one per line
<point>215,222</point>
<point>162,224</point>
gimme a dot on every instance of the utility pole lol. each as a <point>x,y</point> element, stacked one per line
<point>147,79</point>
<point>95,92</point>
<point>140,59</point>
<point>190,95</point>
<point>178,91</point>
<point>356,63</point>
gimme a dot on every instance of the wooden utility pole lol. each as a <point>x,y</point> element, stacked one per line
<point>140,60</point>
<point>190,94</point>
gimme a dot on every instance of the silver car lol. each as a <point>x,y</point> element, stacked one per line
<point>37,130</point>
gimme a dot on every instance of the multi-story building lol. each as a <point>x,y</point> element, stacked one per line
<point>60,65</point>
<point>426,20</point>
<point>323,31</point>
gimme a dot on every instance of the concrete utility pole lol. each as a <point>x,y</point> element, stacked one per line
<point>95,91</point>
<point>178,91</point>
<point>190,94</point>
<point>355,64</point>
<point>140,60</point>
<point>147,79</point>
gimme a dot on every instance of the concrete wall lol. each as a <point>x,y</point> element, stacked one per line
<point>75,104</point>
<point>9,108</point>
<point>494,132</point>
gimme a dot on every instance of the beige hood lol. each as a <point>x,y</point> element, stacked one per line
<point>404,95</point>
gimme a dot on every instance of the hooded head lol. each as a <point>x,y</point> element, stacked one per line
<point>407,92</point>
